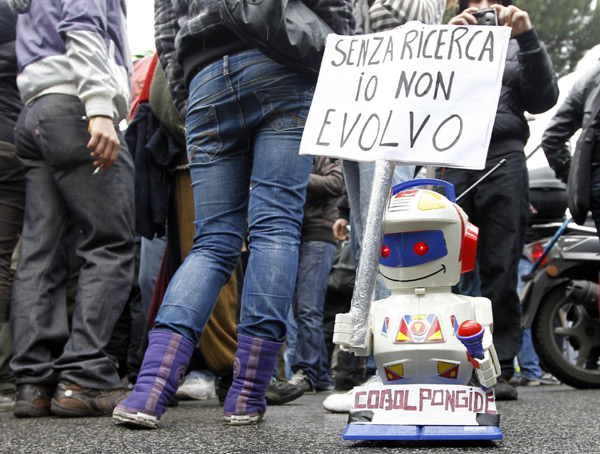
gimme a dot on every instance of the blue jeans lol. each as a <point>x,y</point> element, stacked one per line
<point>151,257</point>
<point>316,260</point>
<point>245,118</point>
<point>290,344</point>
<point>62,196</point>
<point>470,282</point>
<point>528,358</point>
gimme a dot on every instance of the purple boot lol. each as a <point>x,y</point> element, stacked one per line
<point>255,360</point>
<point>165,362</point>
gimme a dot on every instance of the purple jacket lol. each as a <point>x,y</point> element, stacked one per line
<point>79,48</point>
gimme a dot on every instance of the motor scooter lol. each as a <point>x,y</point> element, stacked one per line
<point>560,301</point>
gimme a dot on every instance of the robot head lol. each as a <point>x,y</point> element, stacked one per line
<point>428,240</point>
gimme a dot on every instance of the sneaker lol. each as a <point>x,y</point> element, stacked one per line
<point>75,401</point>
<point>197,386</point>
<point>280,392</point>
<point>342,403</point>
<point>504,390</point>
<point>300,379</point>
<point>523,381</point>
<point>243,420</point>
<point>549,379</point>
<point>33,401</point>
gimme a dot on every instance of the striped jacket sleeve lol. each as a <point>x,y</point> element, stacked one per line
<point>388,14</point>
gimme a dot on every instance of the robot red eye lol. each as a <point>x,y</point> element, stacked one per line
<point>421,248</point>
<point>385,252</point>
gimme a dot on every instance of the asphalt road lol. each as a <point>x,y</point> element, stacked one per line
<point>545,419</point>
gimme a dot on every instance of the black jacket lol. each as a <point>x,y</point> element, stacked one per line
<point>574,113</point>
<point>154,151</point>
<point>10,101</point>
<point>528,85</point>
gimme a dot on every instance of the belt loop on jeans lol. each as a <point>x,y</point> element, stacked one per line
<point>226,65</point>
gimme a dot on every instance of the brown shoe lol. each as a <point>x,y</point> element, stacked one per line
<point>33,401</point>
<point>72,400</point>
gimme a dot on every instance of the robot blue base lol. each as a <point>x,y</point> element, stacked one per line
<point>420,433</point>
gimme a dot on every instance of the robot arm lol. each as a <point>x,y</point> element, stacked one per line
<point>481,351</point>
<point>342,332</point>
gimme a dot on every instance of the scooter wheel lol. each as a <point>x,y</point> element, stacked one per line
<point>566,336</point>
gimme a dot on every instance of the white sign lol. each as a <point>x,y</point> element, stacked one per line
<point>418,94</point>
<point>431,405</point>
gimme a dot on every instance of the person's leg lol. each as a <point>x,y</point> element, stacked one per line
<point>279,179</point>
<point>38,308</point>
<point>316,259</point>
<point>220,121</point>
<point>12,207</point>
<point>38,316</point>
<point>220,167</point>
<point>528,358</point>
<point>151,255</point>
<point>497,214</point>
<point>101,207</point>
<point>291,336</point>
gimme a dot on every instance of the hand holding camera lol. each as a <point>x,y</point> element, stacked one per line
<point>510,16</point>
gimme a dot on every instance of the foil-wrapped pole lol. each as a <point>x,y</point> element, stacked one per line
<point>368,264</point>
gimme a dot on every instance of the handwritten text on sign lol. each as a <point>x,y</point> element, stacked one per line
<point>418,94</point>
<point>424,404</point>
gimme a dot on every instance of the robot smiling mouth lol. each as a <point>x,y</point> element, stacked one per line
<point>441,270</point>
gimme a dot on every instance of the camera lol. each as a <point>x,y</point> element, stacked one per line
<point>486,17</point>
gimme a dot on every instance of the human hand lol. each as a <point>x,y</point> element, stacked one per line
<point>510,16</point>
<point>340,229</point>
<point>104,142</point>
<point>465,18</point>
<point>513,17</point>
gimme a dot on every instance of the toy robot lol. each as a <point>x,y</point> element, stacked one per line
<point>433,348</point>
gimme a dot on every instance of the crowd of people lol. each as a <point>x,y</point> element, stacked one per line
<point>181,256</point>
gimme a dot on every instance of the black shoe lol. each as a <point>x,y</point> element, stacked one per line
<point>344,384</point>
<point>280,392</point>
<point>33,401</point>
<point>504,390</point>
<point>223,385</point>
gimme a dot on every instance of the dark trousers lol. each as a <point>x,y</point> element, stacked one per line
<point>497,206</point>
<point>51,139</point>
<point>12,206</point>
